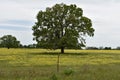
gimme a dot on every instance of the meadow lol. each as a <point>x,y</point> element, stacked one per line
<point>40,64</point>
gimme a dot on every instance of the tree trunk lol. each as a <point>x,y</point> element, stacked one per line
<point>62,50</point>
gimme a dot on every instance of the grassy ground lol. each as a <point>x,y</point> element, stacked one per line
<point>40,64</point>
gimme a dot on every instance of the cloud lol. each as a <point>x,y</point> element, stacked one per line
<point>21,22</point>
<point>13,10</point>
<point>14,28</point>
<point>19,25</point>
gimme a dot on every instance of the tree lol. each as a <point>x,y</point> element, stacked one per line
<point>107,48</point>
<point>62,26</point>
<point>9,41</point>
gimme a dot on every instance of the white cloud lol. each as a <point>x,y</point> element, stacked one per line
<point>13,10</point>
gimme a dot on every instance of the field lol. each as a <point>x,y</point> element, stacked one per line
<point>40,64</point>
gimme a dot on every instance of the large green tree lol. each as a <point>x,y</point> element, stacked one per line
<point>62,26</point>
<point>9,41</point>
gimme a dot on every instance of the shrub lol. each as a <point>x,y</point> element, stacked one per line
<point>54,77</point>
<point>68,71</point>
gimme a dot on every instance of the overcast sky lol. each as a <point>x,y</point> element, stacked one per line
<point>18,16</point>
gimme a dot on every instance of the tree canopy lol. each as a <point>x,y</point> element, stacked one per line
<point>62,26</point>
<point>9,41</point>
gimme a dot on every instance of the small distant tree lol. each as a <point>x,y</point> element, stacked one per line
<point>32,46</point>
<point>62,26</point>
<point>9,41</point>
<point>107,48</point>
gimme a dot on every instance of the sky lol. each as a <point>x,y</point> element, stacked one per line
<point>18,16</point>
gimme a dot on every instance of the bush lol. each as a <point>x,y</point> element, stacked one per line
<point>54,77</point>
<point>68,71</point>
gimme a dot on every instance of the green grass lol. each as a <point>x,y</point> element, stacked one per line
<point>40,64</point>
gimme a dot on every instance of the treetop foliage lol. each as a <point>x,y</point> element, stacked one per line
<point>62,26</point>
<point>9,41</point>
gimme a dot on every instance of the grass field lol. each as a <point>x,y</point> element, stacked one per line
<point>40,64</point>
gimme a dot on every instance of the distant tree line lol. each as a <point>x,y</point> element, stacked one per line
<point>9,41</point>
<point>102,48</point>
